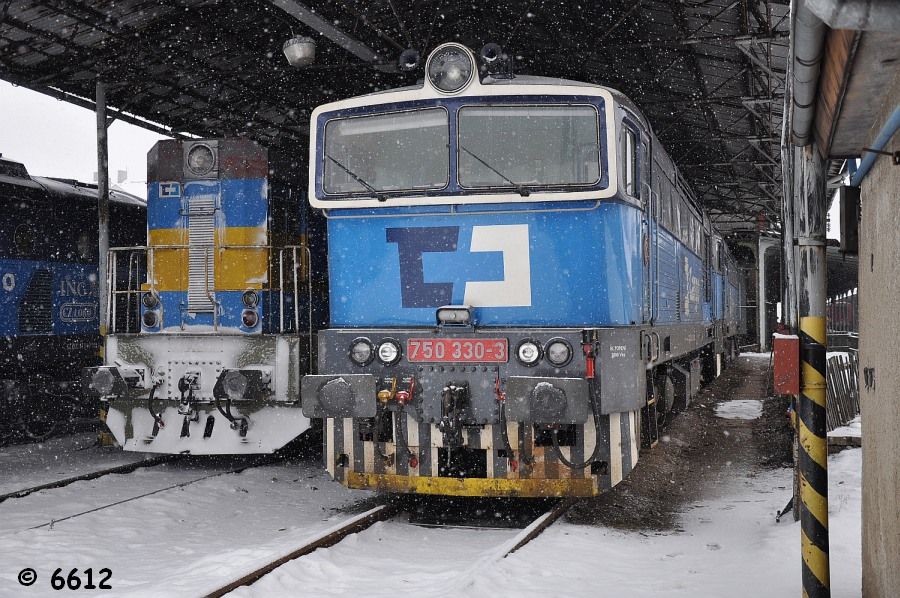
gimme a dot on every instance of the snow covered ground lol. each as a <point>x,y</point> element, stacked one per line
<point>188,541</point>
<point>178,542</point>
<point>739,409</point>
<point>853,428</point>
<point>729,546</point>
<point>28,465</point>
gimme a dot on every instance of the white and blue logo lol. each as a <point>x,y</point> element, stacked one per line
<point>169,190</point>
<point>493,271</point>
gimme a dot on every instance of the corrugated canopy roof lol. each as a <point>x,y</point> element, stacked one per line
<point>708,74</point>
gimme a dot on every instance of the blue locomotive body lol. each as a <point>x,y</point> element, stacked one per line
<point>521,286</point>
<point>552,265</point>
<point>49,305</point>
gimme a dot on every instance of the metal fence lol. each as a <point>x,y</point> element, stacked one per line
<point>843,389</point>
<point>842,320</point>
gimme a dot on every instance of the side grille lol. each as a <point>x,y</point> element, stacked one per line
<point>201,253</point>
<point>36,305</point>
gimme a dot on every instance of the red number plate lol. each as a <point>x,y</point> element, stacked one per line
<point>478,350</point>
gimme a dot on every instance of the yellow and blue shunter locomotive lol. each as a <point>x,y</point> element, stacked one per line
<point>219,307</point>
<point>521,284</point>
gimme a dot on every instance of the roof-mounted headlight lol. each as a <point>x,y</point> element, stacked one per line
<point>201,160</point>
<point>450,68</point>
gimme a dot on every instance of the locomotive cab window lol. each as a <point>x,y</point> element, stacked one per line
<point>496,146</point>
<point>629,163</point>
<point>397,151</point>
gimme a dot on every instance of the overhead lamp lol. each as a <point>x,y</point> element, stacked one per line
<point>300,51</point>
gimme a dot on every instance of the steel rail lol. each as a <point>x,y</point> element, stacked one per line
<point>328,538</point>
<point>126,468</point>
<point>365,520</point>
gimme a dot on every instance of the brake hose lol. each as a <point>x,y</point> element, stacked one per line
<point>157,417</point>
<point>555,435</point>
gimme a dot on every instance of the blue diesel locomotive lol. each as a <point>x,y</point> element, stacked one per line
<point>225,313</point>
<point>49,306</point>
<point>521,285</point>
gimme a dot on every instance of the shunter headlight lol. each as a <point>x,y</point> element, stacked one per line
<point>151,319</point>
<point>389,352</point>
<point>150,300</point>
<point>361,351</point>
<point>528,352</point>
<point>450,68</point>
<point>250,298</point>
<point>249,318</point>
<point>559,352</point>
<point>201,159</point>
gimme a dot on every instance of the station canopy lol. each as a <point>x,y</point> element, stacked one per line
<point>708,74</point>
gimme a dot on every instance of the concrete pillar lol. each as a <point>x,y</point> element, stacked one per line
<point>102,205</point>
<point>764,244</point>
<point>879,376</point>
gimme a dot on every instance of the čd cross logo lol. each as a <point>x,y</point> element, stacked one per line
<point>436,271</point>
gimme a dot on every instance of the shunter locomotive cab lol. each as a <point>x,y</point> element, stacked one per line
<point>211,320</point>
<point>486,274</point>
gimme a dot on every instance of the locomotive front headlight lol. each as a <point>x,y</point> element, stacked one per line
<point>151,319</point>
<point>559,352</point>
<point>450,68</point>
<point>150,300</point>
<point>201,159</point>
<point>389,352</point>
<point>250,298</point>
<point>528,352</point>
<point>361,351</point>
<point>249,318</point>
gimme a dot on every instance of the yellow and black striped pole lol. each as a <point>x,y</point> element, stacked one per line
<point>813,459</point>
<point>807,173</point>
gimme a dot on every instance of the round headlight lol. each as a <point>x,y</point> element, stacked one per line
<point>201,159</point>
<point>389,352</point>
<point>151,319</point>
<point>559,352</point>
<point>150,300</point>
<point>250,298</point>
<point>249,318</point>
<point>450,68</point>
<point>361,351</point>
<point>528,352</point>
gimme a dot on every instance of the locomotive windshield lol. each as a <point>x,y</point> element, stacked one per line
<point>528,145</point>
<point>398,151</point>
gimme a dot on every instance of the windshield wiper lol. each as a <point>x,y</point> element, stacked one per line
<point>381,196</point>
<point>522,189</point>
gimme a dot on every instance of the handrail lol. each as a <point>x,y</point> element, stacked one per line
<point>133,285</point>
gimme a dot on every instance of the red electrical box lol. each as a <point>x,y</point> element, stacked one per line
<point>787,363</point>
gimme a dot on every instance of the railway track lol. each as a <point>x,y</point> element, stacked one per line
<point>363,521</point>
<point>93,475</point>
<point>257,462</point>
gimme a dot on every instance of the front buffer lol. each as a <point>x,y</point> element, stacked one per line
<point>201,394</point>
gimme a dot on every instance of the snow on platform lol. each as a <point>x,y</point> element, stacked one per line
<point>853,429</point>
<point>739,409</point>
<point>28,465</point>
